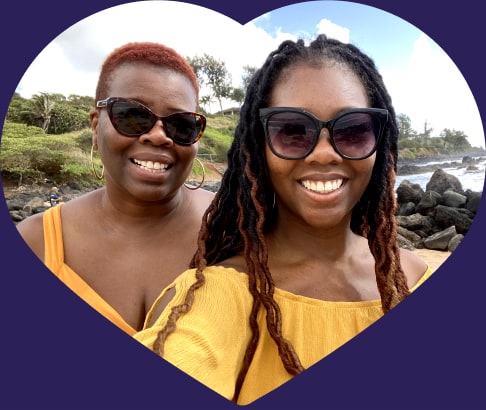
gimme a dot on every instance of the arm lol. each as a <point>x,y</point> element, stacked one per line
<point>413,266</point>
<point>210,340</point>
<point>32,231</point>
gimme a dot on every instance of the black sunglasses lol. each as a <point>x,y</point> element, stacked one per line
<point>292,133</point>
<point>133,119</point>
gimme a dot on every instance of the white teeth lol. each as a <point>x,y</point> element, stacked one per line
<point>151,166</point>
<point>323,187</point>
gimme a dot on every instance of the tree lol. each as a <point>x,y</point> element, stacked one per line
<point>205,101</point>
<point>20,110</point>
<point>66,117</point>
<point>427,131</point>
<point>237,95</point>
<point>43,105</point>
<point>213,73</point>
<point>405,130</point>
<point>83,102</point>
<point>54,113</point>
<point>248,73</point>
<point>456,140</point>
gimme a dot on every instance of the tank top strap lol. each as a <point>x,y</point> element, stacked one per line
<point>53,241</point>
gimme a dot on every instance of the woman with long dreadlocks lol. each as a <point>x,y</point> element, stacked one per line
<point>298,251</point>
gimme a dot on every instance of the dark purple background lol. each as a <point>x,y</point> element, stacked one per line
<point>429,353</point>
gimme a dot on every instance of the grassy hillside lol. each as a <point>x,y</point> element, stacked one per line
<point>217,138</point>
<point>29,155</point>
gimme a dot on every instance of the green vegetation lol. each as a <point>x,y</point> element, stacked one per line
<point>217,138</point>
<point>30,155</point>
<point>48,137</point>
<point>412,144</point>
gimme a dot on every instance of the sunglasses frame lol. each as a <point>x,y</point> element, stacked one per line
<point>380,113</point>
<point>108,104</point>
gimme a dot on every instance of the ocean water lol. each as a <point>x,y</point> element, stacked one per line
<point>473,180</point>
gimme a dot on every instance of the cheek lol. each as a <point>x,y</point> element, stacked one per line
<point>279,170</point>
<point>185,157</point>
<point>365,169</point>
<point>272,164</point>
<point>188,153</point>
<point>111,145</point>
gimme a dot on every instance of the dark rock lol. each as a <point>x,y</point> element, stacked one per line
<point>405,243</point>
<point>75,186</point>
<point>454,242</point>
<point>473,200</point>
<point>411,237</point>
<point>454,199</point>
<point>440,240</point>
<point>416,222</point>
<point>467,160</point>
<point>16,216</point>
<point>429,200</point>
<point>407,208</point>
<point>211,186</point>
<point>35,202</point>
<point>408,192</point>
<point>440,181</point>
<point>446,216</point>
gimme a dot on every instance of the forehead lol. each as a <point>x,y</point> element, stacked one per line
<point>326,84</point>
<point>140,71</point>
<point>137,80</point>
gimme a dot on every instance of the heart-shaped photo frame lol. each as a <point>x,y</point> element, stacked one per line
<point>349,347</point>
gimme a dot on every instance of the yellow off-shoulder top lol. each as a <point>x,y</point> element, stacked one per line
<point>210,340</point>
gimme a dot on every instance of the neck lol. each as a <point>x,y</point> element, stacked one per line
<point>130,210</point>
<point>328,244</point>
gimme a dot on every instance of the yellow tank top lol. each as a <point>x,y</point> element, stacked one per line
<point>210,340</point>
<point>54,260</point>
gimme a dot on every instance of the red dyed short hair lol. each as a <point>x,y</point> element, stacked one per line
<point>146,53</point>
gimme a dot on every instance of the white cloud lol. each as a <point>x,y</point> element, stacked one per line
<point>432,89</point>
<point>333,30</point>
<point>429,88</point>
<point>70,63</point>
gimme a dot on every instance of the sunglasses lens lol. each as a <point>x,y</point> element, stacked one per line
<point>355,134</point>
<point>131,119</point>
<point>183,128</point>
<point>291,134</point>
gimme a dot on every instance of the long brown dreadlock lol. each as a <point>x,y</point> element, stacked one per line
<point>228,230</point>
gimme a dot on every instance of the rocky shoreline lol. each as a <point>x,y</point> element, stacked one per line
<point>412,167</point>
<point>25,201</point>
<point>436,218</point>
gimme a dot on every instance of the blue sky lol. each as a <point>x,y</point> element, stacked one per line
<point>424,82</point>
<point>387,37</point>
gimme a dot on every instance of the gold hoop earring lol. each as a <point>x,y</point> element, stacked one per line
<point>93,170</point>
<point>203,176</point>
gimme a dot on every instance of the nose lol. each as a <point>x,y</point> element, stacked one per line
<point>157,135</point>
<point>323,152</point>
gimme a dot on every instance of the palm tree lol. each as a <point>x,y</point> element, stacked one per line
<point>43,107</point>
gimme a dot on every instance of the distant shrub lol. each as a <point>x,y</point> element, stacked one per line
<point>215,144</point>
<point>85,139</point>
<point>28,153</point>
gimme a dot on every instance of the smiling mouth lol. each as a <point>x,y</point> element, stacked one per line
<point>152,166</point>
<point>322,187</point>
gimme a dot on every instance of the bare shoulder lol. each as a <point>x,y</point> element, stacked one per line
<point>32,228</point>
<point>32,232</point>
<point>205,195</point>
<point>413,266</point>
<point>201,198</point>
